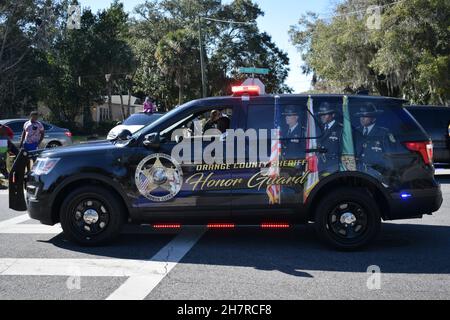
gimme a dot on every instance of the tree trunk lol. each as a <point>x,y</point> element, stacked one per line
<point>129,103</point>
<point>109,99</point>
<point>180,91</point>
<point>122,106</point>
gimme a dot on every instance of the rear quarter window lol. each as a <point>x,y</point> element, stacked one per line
<point>391,116</point>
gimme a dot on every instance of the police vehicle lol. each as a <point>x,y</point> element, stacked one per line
<point>343,162</point>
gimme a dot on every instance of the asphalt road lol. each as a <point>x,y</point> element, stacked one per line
<point>413,257</point>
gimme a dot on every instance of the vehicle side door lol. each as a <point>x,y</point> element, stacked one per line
<point>275,180</point>
<point>202,189</point>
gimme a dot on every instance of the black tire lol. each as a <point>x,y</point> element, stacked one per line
<point>78,212</point>
<point>347,219</point>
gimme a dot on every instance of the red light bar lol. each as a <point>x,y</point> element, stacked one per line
<point>274,225</point>
<point>167,226</point>
<point>221,225</point>
<point>250,90</point>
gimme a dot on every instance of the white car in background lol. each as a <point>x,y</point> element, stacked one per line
<point>133,123</point>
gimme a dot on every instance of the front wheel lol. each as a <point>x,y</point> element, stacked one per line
<point>91,216</point>
<point>347,219</point>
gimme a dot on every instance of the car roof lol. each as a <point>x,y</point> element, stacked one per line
<point>428,106</point>
<point>292,97</point>
<point>11,120</point>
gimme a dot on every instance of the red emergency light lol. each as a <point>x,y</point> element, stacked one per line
<point>274,225</point>
<point>221,225</point>
<point>167,226</point>
<point>249,90</point>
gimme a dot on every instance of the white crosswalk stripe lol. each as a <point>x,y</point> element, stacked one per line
<point>143,275</point>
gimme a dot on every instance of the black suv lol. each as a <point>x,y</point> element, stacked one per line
<point>436,122</point>
<point>342,162</point>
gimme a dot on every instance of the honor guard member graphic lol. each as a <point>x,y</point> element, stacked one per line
<point>372,141</point>
<point>330,140</point>
<point>292,134</point>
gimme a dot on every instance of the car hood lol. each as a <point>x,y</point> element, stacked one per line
<point>117,129</point>
<point>99,146</point>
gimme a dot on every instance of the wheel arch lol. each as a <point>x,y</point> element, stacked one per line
<point>346,179</point>
<point>85,180</point>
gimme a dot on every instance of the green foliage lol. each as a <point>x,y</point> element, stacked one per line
<point>408,57</point>
<point>166,42</point>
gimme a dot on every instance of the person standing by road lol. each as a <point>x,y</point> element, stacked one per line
<point>149,107</point>
<point>33,133</point>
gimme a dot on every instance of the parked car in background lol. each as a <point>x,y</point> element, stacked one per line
<point>133,123</point>
<point>435,120</point>
<point>54,136</point>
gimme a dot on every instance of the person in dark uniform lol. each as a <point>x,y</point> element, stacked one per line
<point>292,135</point>
<point>330,139</point>
<point>371,140</point>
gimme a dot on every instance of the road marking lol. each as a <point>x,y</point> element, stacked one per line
<point>442,172</point>
<point>144,275</point>
<point>14,221</point>
<point>4,192</point>
<point>139,286</point>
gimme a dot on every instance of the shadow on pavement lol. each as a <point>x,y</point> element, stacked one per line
<point>400,248</point>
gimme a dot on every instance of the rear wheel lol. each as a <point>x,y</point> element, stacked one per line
<point>53,144</point>
<point>347,219</point>
<point>91,216</point>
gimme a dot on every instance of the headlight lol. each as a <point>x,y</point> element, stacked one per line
<point>44,165</point>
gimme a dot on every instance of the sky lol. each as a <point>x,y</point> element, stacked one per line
<point>279,16</point>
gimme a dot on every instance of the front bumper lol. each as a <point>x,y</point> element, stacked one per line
<point>39,211</point>
<point>417,203</point>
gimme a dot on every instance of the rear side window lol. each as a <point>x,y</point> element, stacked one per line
<point>292,117</point>
<point>47,126</point>
<point>389,116</point>
<point>16,126</point>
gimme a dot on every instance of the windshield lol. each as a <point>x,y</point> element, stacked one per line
<point>141,119</point>
<point>162,119</point>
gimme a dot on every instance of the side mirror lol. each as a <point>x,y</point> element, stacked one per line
<point>118,123</point>
<point>178,139</point>
<point>152,140</point>
<point>125,134</point>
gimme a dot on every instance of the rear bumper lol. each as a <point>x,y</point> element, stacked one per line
<point>416,203</point>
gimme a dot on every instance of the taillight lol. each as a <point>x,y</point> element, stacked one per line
<point>68,133</point>
<point>424,148</point>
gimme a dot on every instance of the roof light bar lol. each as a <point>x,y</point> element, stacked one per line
<point>241,90</point>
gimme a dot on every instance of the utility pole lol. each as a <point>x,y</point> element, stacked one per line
<point>202,54</point>
<point>202,57</point>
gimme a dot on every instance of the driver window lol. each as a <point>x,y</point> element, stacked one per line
<point>197,124</point>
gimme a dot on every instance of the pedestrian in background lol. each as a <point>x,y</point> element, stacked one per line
<point>149,106</point>
<point>32,135</point>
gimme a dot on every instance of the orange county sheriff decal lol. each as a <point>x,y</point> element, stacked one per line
<point>159,177</point>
